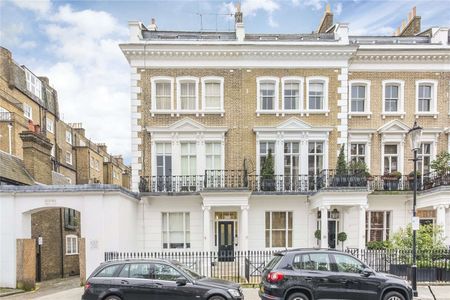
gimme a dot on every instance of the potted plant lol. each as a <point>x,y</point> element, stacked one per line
<point>411,180</point>
<point>358,170</point>
<point>391,180</point>
<point>267,174</point>
<point>318,235</point>
<point>342,237</point>
<point>441,165</point>
<point>341,176</point>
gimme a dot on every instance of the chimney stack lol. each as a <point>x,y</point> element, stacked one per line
<point>239,23</point>
<point>327,20</point>
<point>412,26</point>
<point>37,156</point>
<point>153,26</point>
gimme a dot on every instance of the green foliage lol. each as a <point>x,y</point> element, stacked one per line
<point>318,234</point>
<point>429,238</point>
<point>267,170</point>
<point>379,245</point>
<point>342,237</point>
<point>341,166</point>
<point>359,167</point>
<point>411,174</point>
<point>442,163</point>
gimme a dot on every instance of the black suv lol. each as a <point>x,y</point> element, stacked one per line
<point>312,274</point>
<point>155,279</point>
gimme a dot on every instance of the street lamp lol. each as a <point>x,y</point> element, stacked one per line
<point>415,134</point>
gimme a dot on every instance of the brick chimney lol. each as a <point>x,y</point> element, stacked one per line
<point>102,147</point>
<point>37,156</point>
<point>327,20</point>
<point>410,28</point>
<point>119,158</point>
<point>6,66</point>
<point>239,23</point>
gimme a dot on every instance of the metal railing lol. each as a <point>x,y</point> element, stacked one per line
<point>5,116</point>
<point>326,179</point>
<point>248,266</point>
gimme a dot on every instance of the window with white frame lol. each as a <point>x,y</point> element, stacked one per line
<point>278,229</point>
<point>69,157</point>
<point>34,85</point>
<point>212,93</point>
<point>426,97</point>
<point>213,156</point>
<point>187,93</point>
<point>391,158</point>
<point>424,154</point>
<point>163,159</point>
<point>291,159</point>
<point>176,230</point>
<point>69,137</point>
<point>317,93</point>
<point>50,124</point>
<point>188,159</point>
<point>315,158</point>
<point>359,96</point>
<point>378,225</point>
<point>358,152</point>
<point>27,111</point>
<point>393,97</point>
<point>267,93</point>
<point>71,244</point>
<point>292,93</point>
<point>163,95</point>
<point>264,148</point>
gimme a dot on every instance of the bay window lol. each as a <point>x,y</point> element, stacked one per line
<point>176,230</point>
<point>278,229</point>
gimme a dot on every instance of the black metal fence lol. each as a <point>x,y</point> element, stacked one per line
<point>248,266</point>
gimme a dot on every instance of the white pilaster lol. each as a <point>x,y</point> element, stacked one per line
<point>362,227</point>
<point>440,218</point>
<point>343,105</point>
<point>206,228</point>
<point>136,141</point>
<point>279,152</point>
<point>9,138</point>
<point>244,228</point>
<point>324,226</point>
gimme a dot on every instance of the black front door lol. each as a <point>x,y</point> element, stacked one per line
<point>332,234</point>
<point>226,240</point>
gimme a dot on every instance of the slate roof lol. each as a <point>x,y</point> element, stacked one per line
<point>12,169</point>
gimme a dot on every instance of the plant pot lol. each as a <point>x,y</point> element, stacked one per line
<point>340,180</point>
<point>411,182</point>
<point>268,184</point>
<point>391,183</point>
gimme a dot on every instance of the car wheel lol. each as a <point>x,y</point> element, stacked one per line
<point>216,298</point>
<point>393,296</point>
<point>298,296</point>
<point>112,297</point>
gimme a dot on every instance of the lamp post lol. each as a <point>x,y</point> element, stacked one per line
<point>415,134</point>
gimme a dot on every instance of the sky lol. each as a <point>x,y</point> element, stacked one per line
<point>75,43</point>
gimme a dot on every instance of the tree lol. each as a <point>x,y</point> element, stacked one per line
<point>341,166</point>
<point>441,163</point>
<point>267,170</point>
<point>429,238</point>
<point>342,237</point>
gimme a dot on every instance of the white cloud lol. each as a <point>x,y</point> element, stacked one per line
<point>12,36</point>
<point>90,74</point>
<point>38,6</point>
<point>337,9</point>
<point>250,7</point>
<point>314,4</point>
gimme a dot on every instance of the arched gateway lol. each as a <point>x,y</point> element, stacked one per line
<point>108,221</point>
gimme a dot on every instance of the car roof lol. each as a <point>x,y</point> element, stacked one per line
<point>302,250</point>
<point>140,260</point>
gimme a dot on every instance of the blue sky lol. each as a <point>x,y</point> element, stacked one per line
<point>74,43</point>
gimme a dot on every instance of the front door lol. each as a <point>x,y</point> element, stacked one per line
<point>332,229</point>
<point>226,240</point>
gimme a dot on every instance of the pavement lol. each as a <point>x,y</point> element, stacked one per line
<point>69,289</point>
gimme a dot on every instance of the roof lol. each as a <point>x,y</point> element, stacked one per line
<point>13,170</point>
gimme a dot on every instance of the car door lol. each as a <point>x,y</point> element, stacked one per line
<point>134,281</point>
<point>353,284</point>
<point>315,271</point>
<point>166,287</point>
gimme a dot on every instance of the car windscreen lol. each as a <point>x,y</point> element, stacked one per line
<point>273,262</point>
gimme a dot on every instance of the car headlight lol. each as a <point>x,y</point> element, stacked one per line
<point>234,293</point>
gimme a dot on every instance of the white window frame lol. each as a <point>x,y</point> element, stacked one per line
<point>287,229</point>
<point>27,111</point>
<point>212,79</point>
<point>325,109</point>
<point>181,80</point>
<point>153,82</point>
<point>69,245</point>
<point>69,157</point>
<point>301,83</point>
<point>69,137</point>
<point>434,94</point>
<point>190,155</point>
<point>36,88</point>
<point>367,113</point>
<point>167,229</point>
<point>275,109</point>
<point>386,230</point>
<point>358,154</point>
<point>50,125</point>
<point>214,155</point>
<point>398,155</point>
<point>401,99</point>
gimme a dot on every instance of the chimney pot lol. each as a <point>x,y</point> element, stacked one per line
<point>414,11</point>
<point>328,8</point>
<point>153,26</point>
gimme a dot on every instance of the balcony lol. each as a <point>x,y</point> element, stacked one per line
<point>5,116</point>
<point>281,184</point>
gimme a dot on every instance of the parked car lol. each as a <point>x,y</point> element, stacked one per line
<point>155,279</point>
<point>313,274</point>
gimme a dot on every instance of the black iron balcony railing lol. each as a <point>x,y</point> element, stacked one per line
<point>326,179</point>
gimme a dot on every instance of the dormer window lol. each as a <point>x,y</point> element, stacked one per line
<point>34,85</point>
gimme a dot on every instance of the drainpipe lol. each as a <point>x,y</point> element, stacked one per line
<point>9,138</point>
<point>61,220</point>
